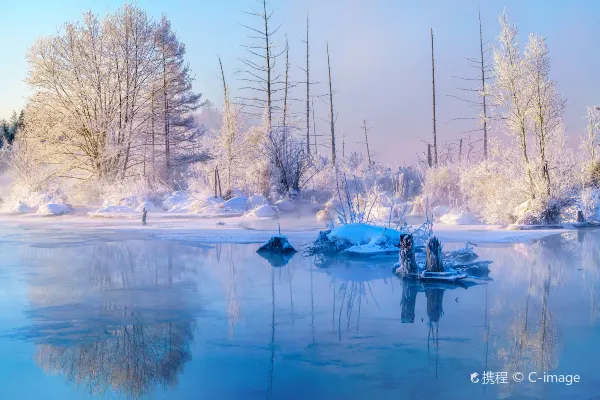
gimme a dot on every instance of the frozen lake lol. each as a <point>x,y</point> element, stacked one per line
<point>121,315</point>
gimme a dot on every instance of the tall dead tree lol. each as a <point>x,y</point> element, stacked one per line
<point>308,93</point>
<point>331,114</point>
<point>260,77</point>
<point>366,130</point>
<point>435,149</point>
<point>286,82</point>
<point>484,116</point>
<point>479,62</point>
<point>314,125</point>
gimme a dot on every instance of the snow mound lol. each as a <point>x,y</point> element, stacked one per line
<point>264,211</point>
<point>256,201</point>
<point>110,211</point>
<point>23,208</point>
<point>361,234</point>
<point>148,205</point>
<point>284,206</point>
<point>439,211</point>
<point>459,218</point>
<point>236,204</point>
<point>178,201</point>
<point>54,209</point>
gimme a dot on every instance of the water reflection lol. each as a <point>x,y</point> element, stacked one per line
<point>127,327</point>
<point>125,318</point>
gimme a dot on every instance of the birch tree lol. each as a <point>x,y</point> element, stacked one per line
<point>102,90</point>
<point>510,92</point>
<point>546,104</point>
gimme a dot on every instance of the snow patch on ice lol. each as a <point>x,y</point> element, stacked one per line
<point>360,234</point>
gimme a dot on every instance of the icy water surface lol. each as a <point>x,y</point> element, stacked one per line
<point>133,318</point>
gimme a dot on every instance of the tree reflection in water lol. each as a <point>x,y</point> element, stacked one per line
<point>128,326</point>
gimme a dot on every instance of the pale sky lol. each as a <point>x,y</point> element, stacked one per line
<point>380,55</point>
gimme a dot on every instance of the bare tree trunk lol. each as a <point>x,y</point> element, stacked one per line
<point>429,160</point>
<point>286,83</point>
<point>366,130</point>
<point>268,64</point>
<point>435,149</point>
<point>331,115</point>
<point>166,119</point>
<point>314,125</point>
<point>485,133</point>
<point>308,93</point>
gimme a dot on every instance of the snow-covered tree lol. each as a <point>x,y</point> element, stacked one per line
<point>546,104</point>
<point>511,93</point>
<point>104,91</point>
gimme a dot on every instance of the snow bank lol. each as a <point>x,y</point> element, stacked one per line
<point>54,209</point>
<point>459,218</point>
<point>264,211</point>
<point>148,205</point>
<point>256,201</point>
<point>178,201</point>
<point>236,204</point>
<point>113,211</point>
<point>23,208</point>
<point>439,211</point>
<point>284,206</point>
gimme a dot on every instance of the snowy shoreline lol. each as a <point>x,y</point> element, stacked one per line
<point>187,227</point>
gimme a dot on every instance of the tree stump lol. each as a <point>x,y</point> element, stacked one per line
<point>407,254</point>
<point>434,261</point>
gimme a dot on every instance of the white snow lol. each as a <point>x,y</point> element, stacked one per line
<point>21,207</point>
<point>236,204</point>
<point>264,211</point>
<point>256,201</point>
<point>178,201</point>
<point>54,209</point>
<point>362,234</point>
<point>148,205</point>
<point>458,217</point>
<point>112,211</point>
<point>284,205</point>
